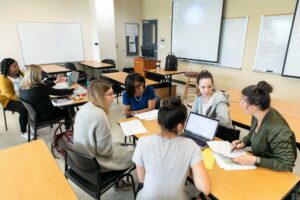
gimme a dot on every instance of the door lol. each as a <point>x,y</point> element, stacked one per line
<point>150,34</point>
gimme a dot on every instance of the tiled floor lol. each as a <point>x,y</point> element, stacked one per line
<point>12,137</point>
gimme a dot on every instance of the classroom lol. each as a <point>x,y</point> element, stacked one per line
<point>253,41</point>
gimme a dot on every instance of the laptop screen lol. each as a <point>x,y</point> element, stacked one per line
<point>200,125</point>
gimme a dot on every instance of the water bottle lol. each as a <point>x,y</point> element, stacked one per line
<point>69,75</point>
<point>87,83</point>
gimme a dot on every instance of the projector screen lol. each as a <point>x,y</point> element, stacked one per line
<point>196,26</point>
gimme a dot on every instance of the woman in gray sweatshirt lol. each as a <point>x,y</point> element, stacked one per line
<point>212,103</point>
<point>92,130</point>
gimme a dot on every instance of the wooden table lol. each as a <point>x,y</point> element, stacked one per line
<point>120,77</point>
<point>96,65</point>
<point>260,183</point>
<point>54,69</point>
<point>167,74</point>
<point>241,119</point>
<point>28,171</point>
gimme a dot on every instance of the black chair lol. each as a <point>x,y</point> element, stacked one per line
<point>5,122</point>
<point>35,123</point>
<point>85,172</point>
<point>111,69</point>
<point>118,90</point>
<point>228,134</point>
<point>82,78</point>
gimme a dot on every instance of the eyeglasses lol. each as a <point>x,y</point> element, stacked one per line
<point>109,94</point>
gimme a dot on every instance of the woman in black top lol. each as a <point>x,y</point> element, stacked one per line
<point>36,93</point>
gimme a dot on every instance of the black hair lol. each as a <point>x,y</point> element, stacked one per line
<point>259,94</point>
<point>171,113</point>
<point>203,75</point>
<point>129,83</point>
<point>5,64</point>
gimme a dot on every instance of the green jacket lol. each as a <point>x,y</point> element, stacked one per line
<point>274,142</point>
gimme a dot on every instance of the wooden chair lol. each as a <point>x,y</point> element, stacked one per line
<point>190,88</point>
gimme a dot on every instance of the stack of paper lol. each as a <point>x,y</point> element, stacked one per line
<point>223,156</point>
<point>63,85</point>
<point>150,115</point>
<point>133,127</point>
<point>61,101</point>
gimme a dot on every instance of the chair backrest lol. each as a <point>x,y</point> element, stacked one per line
<point>70,66</point>
<point>228,134</point>
<point>31,111</point>
<point>109,61</point>
<point>83,165</point>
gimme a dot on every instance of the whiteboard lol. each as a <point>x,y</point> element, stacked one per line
<point>44,43</point>
<point>196,26</point>
<point>272,43</point>
<point>292,62</point>
<point>233,38</point>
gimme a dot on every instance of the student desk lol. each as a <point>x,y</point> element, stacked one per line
<point>28,171</point>
<point>54,69</point>
<point>255,184</point>
<point>96,65</point>
<point>120,77</point>
<point>167,74</point>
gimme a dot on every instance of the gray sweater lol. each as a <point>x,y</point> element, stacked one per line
<point>92,136</point>
<point>218,109</point>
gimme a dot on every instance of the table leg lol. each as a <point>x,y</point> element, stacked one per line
<point>71,119</point>
<point>170,87</point>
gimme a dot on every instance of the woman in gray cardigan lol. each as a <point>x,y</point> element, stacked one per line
<point>92,131</point>
<point>212,103</point>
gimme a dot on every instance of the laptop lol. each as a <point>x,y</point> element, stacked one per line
<point>200,128</point>
<point>75,76</point>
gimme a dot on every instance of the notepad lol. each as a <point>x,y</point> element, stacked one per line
<point>133,127</point>
<point>150,115</point>
<point>224,148</point>
<point>227,164</point>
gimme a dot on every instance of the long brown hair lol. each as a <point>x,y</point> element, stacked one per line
<point>96,91</point>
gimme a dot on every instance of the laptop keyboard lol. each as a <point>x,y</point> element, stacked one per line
<point>200,142</point>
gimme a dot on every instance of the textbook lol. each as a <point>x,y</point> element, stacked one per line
<point>61,101</point>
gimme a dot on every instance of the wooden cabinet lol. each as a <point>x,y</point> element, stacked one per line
<point>141,64</point>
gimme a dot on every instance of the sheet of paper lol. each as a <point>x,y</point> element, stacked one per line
<point>61,101</point>
<point>133,127</point>
<point>63,85</point>
<point>224,148</point>
<point>208,158</point>
<point>80,90</point>
<point>132,47</point>
<point>228,164</point>
<point>150,115</point>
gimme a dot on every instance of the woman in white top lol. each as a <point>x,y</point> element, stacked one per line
<point>210,102</point>
<point>163,161</point>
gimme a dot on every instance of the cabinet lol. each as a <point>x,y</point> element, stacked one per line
<point>141,64</point>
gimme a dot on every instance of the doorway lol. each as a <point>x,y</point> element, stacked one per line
<point>149,29</point>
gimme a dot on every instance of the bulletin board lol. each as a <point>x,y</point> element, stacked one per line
<point>132,39</point>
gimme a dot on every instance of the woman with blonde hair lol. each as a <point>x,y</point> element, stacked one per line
<point>92,130</point>
<point>36,93</point>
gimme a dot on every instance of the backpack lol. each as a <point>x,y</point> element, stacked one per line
<point>171,63</point>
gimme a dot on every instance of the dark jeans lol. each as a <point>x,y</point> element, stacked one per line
<point>17,106</point>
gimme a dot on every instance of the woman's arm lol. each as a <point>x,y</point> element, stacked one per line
<point>200,177</point>
<point>151,106</point>
<point>141,173</point>
<point>222,112</point>
<point>57,92</point>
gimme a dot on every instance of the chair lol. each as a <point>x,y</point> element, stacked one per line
<point>111,69</point>
<point>190,88</point>
<point>228,134</point>
<point>35,123</point>
<point>82,75</point>
<point>118,90</point>
<point>85,172</point>
<point>5,122</point>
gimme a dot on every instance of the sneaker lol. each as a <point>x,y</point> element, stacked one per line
<point>25,136</point>
<point>123,185</point>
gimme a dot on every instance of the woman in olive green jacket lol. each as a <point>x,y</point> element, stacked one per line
<point>271,139</point>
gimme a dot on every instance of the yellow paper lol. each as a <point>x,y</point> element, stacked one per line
<point>208,158</point>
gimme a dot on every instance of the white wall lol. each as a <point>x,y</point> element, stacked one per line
<point>66,11</point>
<point>106,28</point>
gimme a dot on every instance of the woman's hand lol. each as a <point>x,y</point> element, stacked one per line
<point>237,144</point>
<point>60,79</point>
<point>247,159</point>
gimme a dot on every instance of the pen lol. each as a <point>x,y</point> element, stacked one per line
<point>235,146</point>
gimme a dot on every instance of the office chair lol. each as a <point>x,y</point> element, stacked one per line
<point>82,75</point>
<point>111,69</point>
<point>35,123</point>
<point>228,134</point>
<point>85,172</point>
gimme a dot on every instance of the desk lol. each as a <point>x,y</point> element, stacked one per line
<point>54,69</point>
<point>96,65</point>
<point>167,74</point>
<point>120,77</point>
<point>28,171</point>
<point>255,184</point>
<point>241,119</point>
